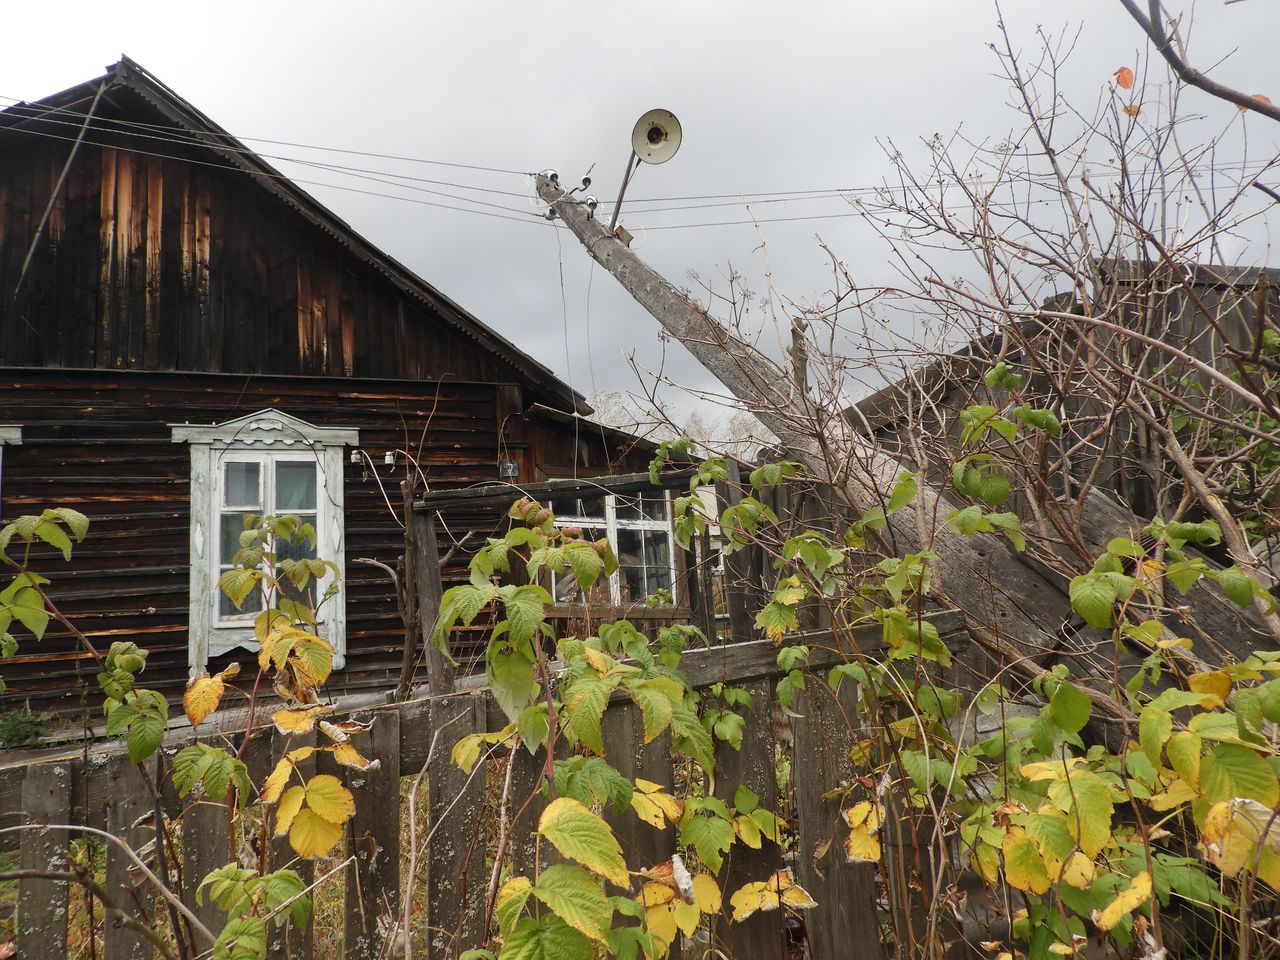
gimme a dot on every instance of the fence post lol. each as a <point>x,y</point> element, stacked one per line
<point>761,936</point>
<point>372,902</point>
<point>845,918</point>
<point>289,940</point>
<point>455,871</point>
<point>42,904</point>
<point>127,799</point>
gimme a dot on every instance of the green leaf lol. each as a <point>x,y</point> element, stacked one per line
<point>586,564</point>
<point>1086,800</point>
<point>576,897</point>
<point>1002,375</point>
<point>582,836</point>
<point>243,938</point>
<point>1237,585</point>
<point>55,536</point>
<point>585,701</point>
<point>656,706</point>
<point>27,607</point>
<point>281,886</point>
<point>1154,727</point>
<point>690,737</point>
<point>904,491</point>
<point>1092,596</point>
<point>510,673</point>
<point>1012,527</point>
<point>711,836</point>
<point>1232,770</point>
<point>526,609</point>
<point>546,938</point>
<point>1039,419</point>
<point>966,521</point>
<point>1069,708</point>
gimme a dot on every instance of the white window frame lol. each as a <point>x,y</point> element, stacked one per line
<point>265,437</point>
<point>612,524</point>
<point>9,433</point>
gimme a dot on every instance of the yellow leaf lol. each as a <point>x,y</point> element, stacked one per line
<point>274,784</point>
<point>1079,871</point>
<point>861,847</point>
<point>1231,833</point>
<point>797,898</point>
<point>312,659</point>
<point>1023,867</point>
<point>299,719</point>
<point>1124,78</point>
<point>582,836</point>
<point>1176,794</point>
<point>341,730</point>
<point>1132,109</point>
<point>751,897</point>
<point>661,921</point>
<point>1061,949</point>
<point>290,804</point>
<point>1125,903</point>
<point>647,810</point>
<point>748,831</point>
<point>1050,769</point>
<point>985,862</point>
<point>687,917</point>
<point>706,893</point>
<point>328,798</point>
<point>1216,685</point>
<point>600,661</point>
<point>653,807</point>
<point>311,835</point>
<point>201,698</point>
<point>654,894</point>
<point>348,756</point>
<point>1260,97</point>
<point>864,813</point>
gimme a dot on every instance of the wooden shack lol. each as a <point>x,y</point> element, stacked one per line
<point>187,337</point>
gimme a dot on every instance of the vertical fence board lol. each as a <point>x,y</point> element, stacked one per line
<point>761,936</point>
<point>455,872</point>
<point>42,904</point>
<point>373,886</point>
<point>127,799</point>
<point>625,749</point>
<point>846,913</point>
<point>205,847</point>
<point>289,941</point>
<point>526,780</point>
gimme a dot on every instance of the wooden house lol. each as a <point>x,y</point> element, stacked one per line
<point>187,337</point>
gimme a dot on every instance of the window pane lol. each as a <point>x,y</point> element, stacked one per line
<point>298,549</point>
<point>643,506</point>
<point>644,563</point>
<point>232,526</point>
<point>295,486</point>
<point>574,507</point>
<point>252,605</point>
<point>242,485</point>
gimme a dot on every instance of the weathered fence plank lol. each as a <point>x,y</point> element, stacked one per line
<point>42,904</point>
<point>290,941</point>
<point>372,901</point>
<point>846,894</point>
<point>455,871</point>
<point>761,936</point>
<point>626,751</point>
<point>127,800</point>
<point>205,847</point>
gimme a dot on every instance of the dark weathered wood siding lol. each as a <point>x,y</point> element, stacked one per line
<point>100,442</point>
<point>179,262</point>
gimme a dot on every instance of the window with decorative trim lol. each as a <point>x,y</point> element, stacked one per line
<point>267,463</point>
<point>638,527</point>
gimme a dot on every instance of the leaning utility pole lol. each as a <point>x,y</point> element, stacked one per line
<point>1015,608</point>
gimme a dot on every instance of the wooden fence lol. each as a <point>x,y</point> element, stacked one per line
<point>108,793</point>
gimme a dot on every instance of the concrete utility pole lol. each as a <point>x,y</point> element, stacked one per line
<point>1013,606</point>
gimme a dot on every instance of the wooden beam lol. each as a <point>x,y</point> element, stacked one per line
<point>503,494</point>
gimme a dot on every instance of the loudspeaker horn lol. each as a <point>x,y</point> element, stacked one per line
<point>656,136</point>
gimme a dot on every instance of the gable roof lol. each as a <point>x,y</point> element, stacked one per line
<point>130,77</point>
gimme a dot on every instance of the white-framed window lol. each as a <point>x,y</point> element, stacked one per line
<point>265,463</point>
<point>638,527</point>
<point>8,434</point>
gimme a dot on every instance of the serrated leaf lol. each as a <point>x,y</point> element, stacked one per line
<point>328,798</point>
<point>1232,770</point>
<point>904,491</point>
<point>585,838</point>
<point>510,674</point>
<point>585,701</point>
<point>201,698</point>
<point>1039,419</point>
<point>575,897</point>
<point>288,808</point>
<point>299,719</point>
<point>546,938</point>
<point>1023,865</point>
<point>1138,893</point>
<point>510,901</point>
<point>312,836</point>
<point>1092,597</point>
<point>1154,727</point>
<point>710,836</point>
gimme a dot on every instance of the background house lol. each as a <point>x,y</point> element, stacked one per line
<point>187,337</point>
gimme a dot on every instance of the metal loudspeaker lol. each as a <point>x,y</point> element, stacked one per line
<point>656,136</point>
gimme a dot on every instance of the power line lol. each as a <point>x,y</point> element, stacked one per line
<point>22,104</point>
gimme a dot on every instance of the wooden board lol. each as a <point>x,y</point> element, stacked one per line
<point>42,904</point>
<point>127,800</point>
<point>372,903</point>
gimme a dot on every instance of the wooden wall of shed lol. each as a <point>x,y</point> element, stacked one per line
<point>177,263</point>
<point>100,442</point>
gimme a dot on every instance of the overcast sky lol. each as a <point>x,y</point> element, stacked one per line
<point>773,97</point>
